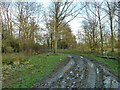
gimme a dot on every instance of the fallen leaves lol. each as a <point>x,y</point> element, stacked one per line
<point>31,65</point>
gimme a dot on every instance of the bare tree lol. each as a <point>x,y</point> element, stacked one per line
<point>90,24</point>
<point>60,11</point>
<point>111,13</point>
<point>50,27</point>
<point>119,28</point>
<point>25,18</point>
<point>6,17</point>
<point>100,26</point>
<point>98,7</point>
<point>0,45</point>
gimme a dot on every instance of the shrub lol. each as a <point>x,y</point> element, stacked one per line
<point>9,49</point>
<point>11,58</point>
<point>43,49</point>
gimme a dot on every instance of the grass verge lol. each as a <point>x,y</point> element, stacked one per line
<point>32,70</point>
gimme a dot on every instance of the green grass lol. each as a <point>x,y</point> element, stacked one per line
<point>113,54</point>
<point>32,72</point>
<point>69,51</point>
<point>112,63</point>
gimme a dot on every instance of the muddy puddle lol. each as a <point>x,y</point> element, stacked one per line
<point>82,73</point>
<point>110,82</point>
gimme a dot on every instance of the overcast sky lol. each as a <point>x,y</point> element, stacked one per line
<point>75,24</point>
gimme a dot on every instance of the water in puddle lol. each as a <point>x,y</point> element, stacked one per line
<point>110,83</point>
<point>74,82</point>
<point>78,66</point>
<point>91,64</point>
<point>68,77</point>
<point>77,75</point>
<point>82,75</point>
<point>72,86</point>
<point>71,72</point>
<point>81,57</point>
<point>97,70</point>
<point>62,86</point>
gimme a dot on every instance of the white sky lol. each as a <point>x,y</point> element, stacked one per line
<point>75,25</point>
<point>56,0</point>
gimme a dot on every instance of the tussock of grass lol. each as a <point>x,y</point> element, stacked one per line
<point>10,58</point>
<point>36,67</point>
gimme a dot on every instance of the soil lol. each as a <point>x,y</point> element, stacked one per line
<point>102,64</point>
<point>55,69</point>
<point>81,72</point>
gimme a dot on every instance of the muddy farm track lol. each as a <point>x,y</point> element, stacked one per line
<point>78,72</point>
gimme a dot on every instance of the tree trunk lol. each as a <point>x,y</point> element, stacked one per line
<point>101,34</point>
<point>55,46</point>
<point>53,33</point>
<point>93,47</point>
<point>11,29</point>
<point>19,35</point>
<point>56,26</point>
<point>56,38</point>
<point>101,37</point>
<point>111,27</point>
<point>119,31</point>
<point>48,44</point>
<point>24,35</point>
<point>51,40</point>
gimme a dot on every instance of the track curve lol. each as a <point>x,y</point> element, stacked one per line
<point>80,72</point>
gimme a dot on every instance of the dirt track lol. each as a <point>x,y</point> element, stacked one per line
<point>79,72</point>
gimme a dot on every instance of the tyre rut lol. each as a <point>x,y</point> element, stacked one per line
<point>81,72</point>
